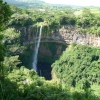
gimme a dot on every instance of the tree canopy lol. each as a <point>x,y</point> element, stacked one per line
<point>5,14</point>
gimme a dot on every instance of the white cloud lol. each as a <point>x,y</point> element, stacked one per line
<point>75,2</point>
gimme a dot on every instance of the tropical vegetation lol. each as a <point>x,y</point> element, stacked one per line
<point>76,73</point>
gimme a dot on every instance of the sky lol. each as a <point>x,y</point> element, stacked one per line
<point>75,2</point>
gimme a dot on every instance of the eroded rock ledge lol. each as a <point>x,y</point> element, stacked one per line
<point>64,34</point>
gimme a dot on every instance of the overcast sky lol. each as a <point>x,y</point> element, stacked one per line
<point>75,2</point>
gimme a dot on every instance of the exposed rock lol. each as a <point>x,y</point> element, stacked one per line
<point>65,34</point>
<point>45,51</point>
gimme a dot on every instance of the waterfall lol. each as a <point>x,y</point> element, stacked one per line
<point>34,64</point>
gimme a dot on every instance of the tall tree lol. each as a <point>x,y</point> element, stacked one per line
<point>5,14</point>
<point>86,19</point>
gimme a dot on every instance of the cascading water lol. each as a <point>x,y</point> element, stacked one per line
<point>34,64</point>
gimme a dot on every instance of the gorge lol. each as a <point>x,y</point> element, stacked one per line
<point>53,43</point>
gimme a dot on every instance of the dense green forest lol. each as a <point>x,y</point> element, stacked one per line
<point>81,64</point>
<point>76,74</point>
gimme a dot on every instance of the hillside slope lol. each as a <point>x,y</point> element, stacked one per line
<point>78,64</point>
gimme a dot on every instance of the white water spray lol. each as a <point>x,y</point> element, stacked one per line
<point>34,64</point>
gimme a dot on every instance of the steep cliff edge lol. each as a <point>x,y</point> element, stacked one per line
<point>64,34</point>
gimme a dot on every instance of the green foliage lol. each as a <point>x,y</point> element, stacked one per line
<point>77,64</point>
<point>5,13</point>
<point>85,18</point>
<point>86,85</point>
<point>20,20</point>
<point>24,84</point>
<point>2,54</point>
<point>26,56</point>
<point>4,17</point>
<point>54,16</point>
<point>10,34</point>
<point>11,42</point>
<point>10,63</point>
<point>8,90</point>
<point>68,20</point>
<point>82,96</point>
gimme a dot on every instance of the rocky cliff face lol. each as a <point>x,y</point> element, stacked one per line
<point>74,36</point>
<point>64,34</point>
<point>54,41</point>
